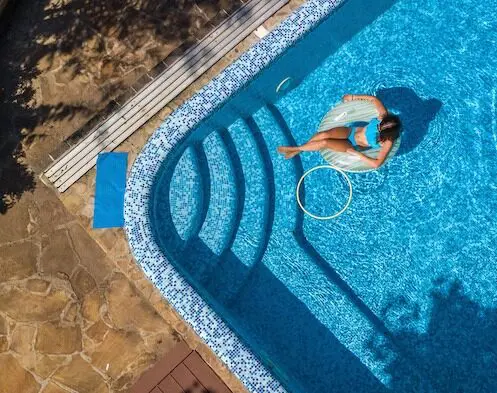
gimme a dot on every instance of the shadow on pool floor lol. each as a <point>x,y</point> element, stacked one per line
<point>458,350</point>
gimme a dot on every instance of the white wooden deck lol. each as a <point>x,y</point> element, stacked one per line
<point>110,133</point>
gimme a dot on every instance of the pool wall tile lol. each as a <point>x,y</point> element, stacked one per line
<point>185,299</point>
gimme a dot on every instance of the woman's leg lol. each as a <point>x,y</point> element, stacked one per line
<point>340,145</point>
<point>334,133</point>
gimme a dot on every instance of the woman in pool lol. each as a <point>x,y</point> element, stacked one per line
<point>381,132</point>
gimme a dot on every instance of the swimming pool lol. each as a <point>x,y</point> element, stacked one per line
<point>398,293</point>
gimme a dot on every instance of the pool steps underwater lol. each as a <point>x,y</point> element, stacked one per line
<point>241,276</point>
<point>213,259</point>
<point>190,194</point>
<point>112,131</point>
<point>251,228</point>
<point>221,214</point>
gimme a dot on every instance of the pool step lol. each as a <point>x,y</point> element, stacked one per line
<point>260,124</point>
<point>180,199</point>
<point>251,231</point>
<point>216,231</point>
<point>239,187</point>
<point>186,194</point>
<point>260,150</point>
<point>208,238</point>
<point>286,180</point>
<point>111,132</point>
<point>256,218</point>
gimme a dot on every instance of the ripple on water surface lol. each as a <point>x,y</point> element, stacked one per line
<point>415,253</point>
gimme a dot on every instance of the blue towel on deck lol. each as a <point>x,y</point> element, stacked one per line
<point>109,193</point>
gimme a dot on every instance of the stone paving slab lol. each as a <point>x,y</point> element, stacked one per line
<point>76,315</point>
<point>76,312</point>
<point>62,320</point>
<point>63,61</point>
<point>80,197</point>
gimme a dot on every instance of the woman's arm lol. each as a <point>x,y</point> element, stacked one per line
<point>382,155</point>
<point>382,111</point>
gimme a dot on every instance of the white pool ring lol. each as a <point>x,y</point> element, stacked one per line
<point>283,84</point>
<point>342,114</point>
<point>347,204</point>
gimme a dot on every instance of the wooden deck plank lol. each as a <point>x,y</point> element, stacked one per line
<point>110,133</point>
<point>205,374</point>
<point>187,380</point>
<point>149,90</point>
<point>152,377</point>
<point>169,385</point>
<point>137,116</point>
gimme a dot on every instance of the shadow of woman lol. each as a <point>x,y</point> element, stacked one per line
<point>415,113</point>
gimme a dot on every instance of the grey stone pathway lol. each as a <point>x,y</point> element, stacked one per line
<point>76,312</point>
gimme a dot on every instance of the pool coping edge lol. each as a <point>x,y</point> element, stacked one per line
<point>172,285</point>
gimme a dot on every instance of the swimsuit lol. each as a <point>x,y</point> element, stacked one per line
<point>371,133</point>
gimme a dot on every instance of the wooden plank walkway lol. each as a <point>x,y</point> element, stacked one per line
<point>111,132</point>
<point>181,371</point>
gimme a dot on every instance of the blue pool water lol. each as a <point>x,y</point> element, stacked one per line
<point>399,293</point>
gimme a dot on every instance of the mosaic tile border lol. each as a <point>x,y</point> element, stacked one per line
<point>208,325</point>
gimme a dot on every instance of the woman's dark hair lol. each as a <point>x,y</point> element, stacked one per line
<point>390,128</point>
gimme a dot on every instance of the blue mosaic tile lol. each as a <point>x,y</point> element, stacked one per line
<point>222,207</point>
<point>186,185</point>
<point>208,325</point>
